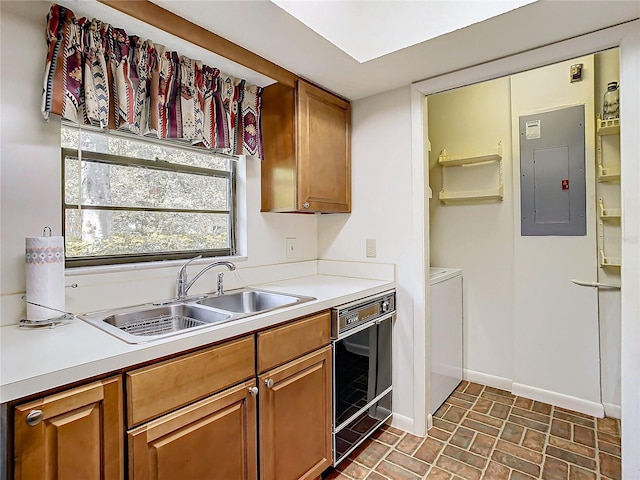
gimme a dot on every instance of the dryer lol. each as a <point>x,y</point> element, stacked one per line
<point>445,334</point>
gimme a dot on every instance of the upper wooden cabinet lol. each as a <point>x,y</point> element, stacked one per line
<point>307,150</point>
<point>75,434</point>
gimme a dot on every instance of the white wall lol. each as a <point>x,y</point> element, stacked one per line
<point>476,236</point>
<point>31,189</point>
<point>630,185</point>
<point>382,209</point>
<point>30,169</point>
<point>556,322</point>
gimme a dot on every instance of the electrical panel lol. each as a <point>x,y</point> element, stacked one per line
<point>552,173</point>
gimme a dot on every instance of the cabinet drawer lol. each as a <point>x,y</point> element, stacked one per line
<point>168,385</point>
<point>281,344</point>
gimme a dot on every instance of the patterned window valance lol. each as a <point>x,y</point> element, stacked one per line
<point>97,74</point>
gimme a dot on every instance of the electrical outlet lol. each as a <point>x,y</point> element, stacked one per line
<point>292,247</point>
<point>371,247</point>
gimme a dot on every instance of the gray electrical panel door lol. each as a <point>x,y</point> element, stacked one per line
<point>552,173</point>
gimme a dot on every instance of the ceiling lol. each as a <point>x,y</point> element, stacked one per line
<point>271,32</point>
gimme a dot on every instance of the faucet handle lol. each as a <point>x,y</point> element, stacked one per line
<point>186,264</point>
<point>181,279</point>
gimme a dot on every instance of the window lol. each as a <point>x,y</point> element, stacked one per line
<point>127,200</point>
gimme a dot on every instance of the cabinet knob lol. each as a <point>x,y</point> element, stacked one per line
<point>269,382</point>
<point>253,391</point>
<point>34,417</point>
<point>305,204</point>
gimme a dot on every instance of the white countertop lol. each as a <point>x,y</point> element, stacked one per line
<point>32,361</point>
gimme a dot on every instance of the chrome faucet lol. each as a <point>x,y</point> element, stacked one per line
<point>183,284</point>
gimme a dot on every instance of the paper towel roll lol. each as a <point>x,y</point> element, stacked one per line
<point>45,276</point>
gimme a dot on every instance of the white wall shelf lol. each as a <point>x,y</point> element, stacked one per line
<point>606,261</point>
<point>471,195</point>
<point>606,173</point>
<point>495,193</point>
<point>607,242</point>
<point>454,161</point>
<point>608,213</point>
<point>609,217</point>
<point>608,127</point>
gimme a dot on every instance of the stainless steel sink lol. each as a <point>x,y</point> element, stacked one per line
<point>251,301</point>
<point>147,322</point>
<point>144,323</point>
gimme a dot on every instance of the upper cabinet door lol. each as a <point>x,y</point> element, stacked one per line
<point>324,151</point>
<point>75,434</point>
<point>307,150</point>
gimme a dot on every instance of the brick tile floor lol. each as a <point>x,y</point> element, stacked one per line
<point>486,433</point>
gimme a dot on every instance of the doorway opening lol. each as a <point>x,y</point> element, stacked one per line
<point>528,328</point>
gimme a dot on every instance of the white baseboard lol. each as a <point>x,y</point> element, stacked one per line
<point>402,422</point>
<point>612,410</point>
<point>429,421</point>
<point>488,380</point>
<point>559,399</point>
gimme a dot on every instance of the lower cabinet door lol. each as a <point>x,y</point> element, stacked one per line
<point>76,434</point>
<point>295,418</point>
<point>212,438</point>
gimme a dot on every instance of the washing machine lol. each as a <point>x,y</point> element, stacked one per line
<point>445,285</point>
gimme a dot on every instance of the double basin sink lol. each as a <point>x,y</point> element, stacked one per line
<point>144,323</point>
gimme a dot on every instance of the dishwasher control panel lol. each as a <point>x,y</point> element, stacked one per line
<point>350,315</point>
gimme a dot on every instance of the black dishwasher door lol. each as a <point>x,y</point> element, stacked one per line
<point>363,382</point>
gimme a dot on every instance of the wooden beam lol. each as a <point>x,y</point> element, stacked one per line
<point>152,14</point>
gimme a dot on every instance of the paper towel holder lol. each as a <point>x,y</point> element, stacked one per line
<point>47,322</point>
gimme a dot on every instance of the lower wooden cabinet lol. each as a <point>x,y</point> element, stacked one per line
<point>164,387</point>
<point>200,415</point>
<point>212,438</point>
<point>295,418</point>
<point>76,434</point>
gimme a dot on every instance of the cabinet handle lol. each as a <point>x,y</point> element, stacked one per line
<point>305,204</point>
<point>34,417</point>
<point>253,391</point>
<point>269,382</point>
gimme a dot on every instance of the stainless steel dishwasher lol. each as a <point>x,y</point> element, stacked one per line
<point>362,334</point>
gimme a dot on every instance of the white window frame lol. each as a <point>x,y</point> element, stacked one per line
<point>112,159</point>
